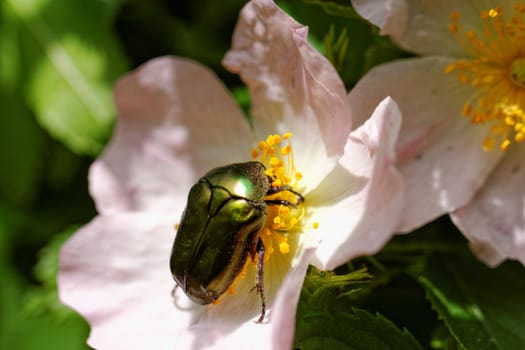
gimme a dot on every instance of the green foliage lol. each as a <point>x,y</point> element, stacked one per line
<point>482,307</point>
<point>355,329</point>
<point>336,8</point>
<point>64,67</point>
<point>350,43</point>
<point>327,317</point>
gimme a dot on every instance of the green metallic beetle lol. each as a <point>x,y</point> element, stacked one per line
<point>220,228</point>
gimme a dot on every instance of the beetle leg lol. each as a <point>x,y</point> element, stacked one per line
<point>260,279</point>
<point>280,202</point>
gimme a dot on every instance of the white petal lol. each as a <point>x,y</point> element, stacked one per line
<point>115,273</point>
<point>276,332</point>
<point>175,122</point>
<point>435,140</point>
<point>389,15</point>
<point>494,221</point>
<point>293,87</point>
<point>362,218</point>
<point>421,26</point>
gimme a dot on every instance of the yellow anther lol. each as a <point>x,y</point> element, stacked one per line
<point>450,68</point>
<point>471,34</point>
<point>505,144</point>
<point>262,145</point>
<point>278,159</point>
<point>453,27</point>
<point>519,7</point>
<point>285,150</point>
<point>493,13</point>
<point>496,71</point>
<point>519,137</point>
<point>284,248</point>
<point>315,225</point>
<point>510,121</point>
<point>275,162</point>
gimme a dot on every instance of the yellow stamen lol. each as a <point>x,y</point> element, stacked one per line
<point>495,71</point>
<point>284,248</point>
<point>285,209</point>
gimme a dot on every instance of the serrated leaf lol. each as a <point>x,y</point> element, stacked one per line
<point>72,62</point>
<point>482,307</point>
<point>356,330</point>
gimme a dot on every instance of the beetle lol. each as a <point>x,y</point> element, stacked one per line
<point>220,228</point>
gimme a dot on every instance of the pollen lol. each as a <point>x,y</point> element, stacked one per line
<point>284,248</point>
<point>285,205</point>
<point>495,70</point>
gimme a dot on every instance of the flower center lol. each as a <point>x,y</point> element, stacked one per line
<point>276,154</point>
<point>517,72</point>
<point>496,69</point>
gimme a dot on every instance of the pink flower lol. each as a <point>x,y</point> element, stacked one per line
<point>176,122</point>
<point>461,145</point>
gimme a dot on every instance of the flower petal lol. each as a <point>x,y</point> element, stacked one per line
<point>293,87</point>
<point>285,306</point>
<point>389,15</point>
<point>432,130</point>
<point>372,202</point>
<point>494,221</point>
<point>422,26</point>
<point>115,273</point>
<point>176,121</point>
<point>276,333</point>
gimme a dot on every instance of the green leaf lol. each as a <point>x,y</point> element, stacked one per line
<point>23,152</point>
<point>338,8</point>
<point>322,322</point>
<point>356,330</point>
<point>22,324</point>
<point>70,64</point>
<point>43,300</point>
<point>482,307</point>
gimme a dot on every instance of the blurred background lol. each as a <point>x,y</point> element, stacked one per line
<point>59,60</point>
